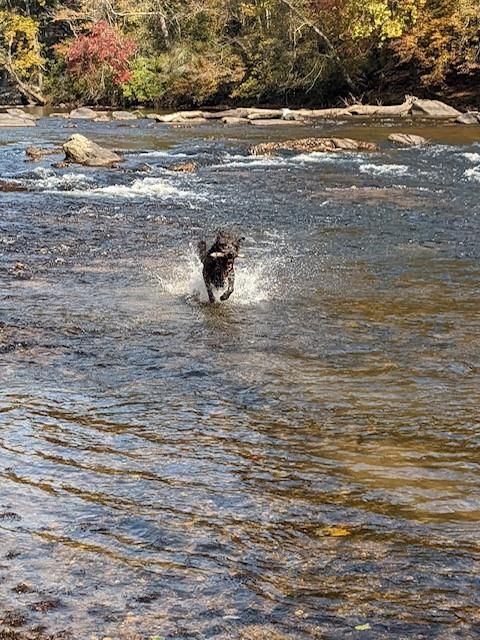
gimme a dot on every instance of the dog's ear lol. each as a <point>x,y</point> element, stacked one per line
<point>202,250</point>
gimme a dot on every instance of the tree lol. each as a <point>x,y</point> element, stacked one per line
<point>444,44</point>
<point>20,54</point>
<point>99,60</point>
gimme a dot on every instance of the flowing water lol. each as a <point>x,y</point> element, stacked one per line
<point>295,463</point>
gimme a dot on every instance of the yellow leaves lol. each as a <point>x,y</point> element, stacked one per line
<point>444,42</point>
<point>248,9</point>
<point>19,43</point>
<point>382,18</point>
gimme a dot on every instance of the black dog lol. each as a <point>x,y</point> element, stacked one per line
<point>218,263</point>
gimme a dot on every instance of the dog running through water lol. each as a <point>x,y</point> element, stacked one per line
<point>218,263</point>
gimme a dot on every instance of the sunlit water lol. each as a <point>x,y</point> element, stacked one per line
<point>296,462</point>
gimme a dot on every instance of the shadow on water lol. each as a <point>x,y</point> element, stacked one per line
<point>295,463</point>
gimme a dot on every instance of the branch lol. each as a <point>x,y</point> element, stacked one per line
<point>332,52</point>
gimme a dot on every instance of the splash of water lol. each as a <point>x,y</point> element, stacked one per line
<point>473,174</point>
<point>255,279</point>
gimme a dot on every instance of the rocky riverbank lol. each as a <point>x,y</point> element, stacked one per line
<point>412,107</point>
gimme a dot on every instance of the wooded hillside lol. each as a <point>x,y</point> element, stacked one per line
<point>192,52</point>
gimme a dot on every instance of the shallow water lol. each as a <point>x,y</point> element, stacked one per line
<point>298,461</point>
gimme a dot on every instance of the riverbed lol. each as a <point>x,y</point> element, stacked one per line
<point>301,461</point>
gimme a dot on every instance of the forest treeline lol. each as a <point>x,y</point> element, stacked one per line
<point>201,52</point>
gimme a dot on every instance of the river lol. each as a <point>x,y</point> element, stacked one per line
<point>299,462</point>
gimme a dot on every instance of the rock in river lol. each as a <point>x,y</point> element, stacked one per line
<point>313,144</point>
<point>124,115</point>
<point>10,120</point>
<point>20,113</point>
<point>433,109</point>
<point>407,139</point>
<point>36,153</point>
<point>471,117</point>
<point>83,151</point>
<point>184,167</point>
<point>83,113</point>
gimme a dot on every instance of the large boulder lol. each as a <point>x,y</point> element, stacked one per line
<point>83,113</point>
<point>310,145</point>
<point>407,139</point>
<point>471,117</point>
<point>9,120</point>
<point>81,150</point>
<point>433,109</point>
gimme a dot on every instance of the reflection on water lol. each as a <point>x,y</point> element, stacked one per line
<point>294,463</point>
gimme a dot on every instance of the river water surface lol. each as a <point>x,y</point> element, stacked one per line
<point>299,462</point>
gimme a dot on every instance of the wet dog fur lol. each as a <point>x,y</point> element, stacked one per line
<point>218,263</point>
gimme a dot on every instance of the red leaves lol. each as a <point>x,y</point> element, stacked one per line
<point>102,49</point>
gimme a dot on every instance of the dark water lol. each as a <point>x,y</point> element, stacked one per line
<point>297,462</point>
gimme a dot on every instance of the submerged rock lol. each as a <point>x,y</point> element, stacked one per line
<point>310,145</point>
<point>36,153</point>
<point>407,139</point>
<point>184,167</point>
<point>10,187</point>
<point>81,150</point>
<point>21,271</point>
<point>433,109</point>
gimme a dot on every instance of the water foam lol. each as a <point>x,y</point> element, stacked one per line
<point>385,169</point>
<point>158,154</point>
<point>255,280</point>
<point>43,179</point>
<point>473,174</point>
<point>327,156</point>
<point>473,157</point>
<point>138,189</point>
<point>231,161</point>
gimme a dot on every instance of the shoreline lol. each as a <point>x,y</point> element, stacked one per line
<point>412,108</point>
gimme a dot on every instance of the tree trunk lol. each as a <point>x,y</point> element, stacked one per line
<point>33,94</point>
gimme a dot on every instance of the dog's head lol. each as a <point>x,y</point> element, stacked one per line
<point>226,247</point>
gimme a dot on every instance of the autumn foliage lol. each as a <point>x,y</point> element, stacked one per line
<point>100,57</point>
<point>191,52</point>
